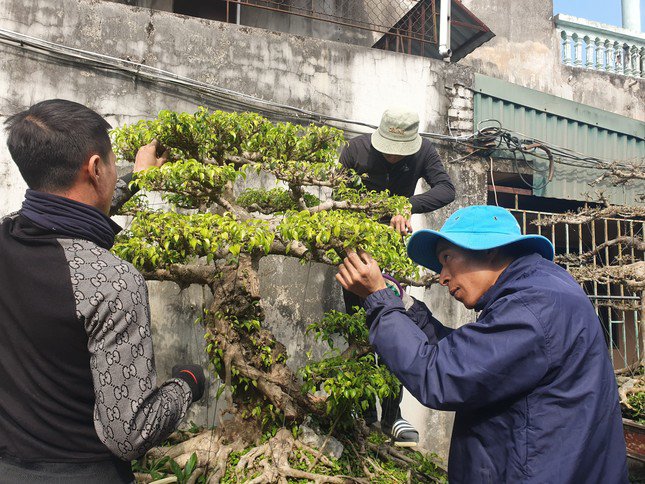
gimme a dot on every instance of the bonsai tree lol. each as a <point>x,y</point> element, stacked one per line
<point>206,233</point>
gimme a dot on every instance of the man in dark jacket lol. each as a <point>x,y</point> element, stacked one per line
<point>395,158</point>
<point>530,381</point>
<point>78,391</point>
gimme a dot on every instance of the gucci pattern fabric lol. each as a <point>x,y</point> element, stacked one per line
<point>130,413</point>
<point>77,378</point>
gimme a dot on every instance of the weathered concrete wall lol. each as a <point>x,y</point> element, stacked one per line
<point>526,51</point>
<point>322,76</point>
<point>341,80</point>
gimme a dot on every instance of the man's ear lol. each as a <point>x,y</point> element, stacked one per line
<point>95,169</point>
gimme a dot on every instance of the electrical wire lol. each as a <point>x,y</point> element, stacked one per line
<point>493,138</point>
<point>492,180</point>
<point>228,98</point>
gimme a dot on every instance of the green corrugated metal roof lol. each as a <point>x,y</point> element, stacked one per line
<point>567,124</point>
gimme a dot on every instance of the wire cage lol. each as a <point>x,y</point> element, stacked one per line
<point>395,24</point>
<point>618,307</point>
<point>404,26</point>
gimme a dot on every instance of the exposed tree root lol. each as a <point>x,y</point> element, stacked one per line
<point>272,461</point>
<point>281,459</point>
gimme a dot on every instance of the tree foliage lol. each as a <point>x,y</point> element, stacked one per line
<point>209,231</point>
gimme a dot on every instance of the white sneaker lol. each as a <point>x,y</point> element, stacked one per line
<point>403,434</point>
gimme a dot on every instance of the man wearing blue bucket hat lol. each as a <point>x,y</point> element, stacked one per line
<point>530,381</point>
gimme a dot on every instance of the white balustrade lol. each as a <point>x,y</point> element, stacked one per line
<point>566,48</point>
<point>589,64</point>
<point>610,59</point>
<point>596,46</point>
<point>577,50</point>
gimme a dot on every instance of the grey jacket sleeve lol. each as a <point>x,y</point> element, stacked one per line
<point>131,414</point>
<point>122,193</point>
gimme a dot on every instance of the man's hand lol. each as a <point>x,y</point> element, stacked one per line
<point>147,156</point>
<point>360,274</point>
<point>401,224</point>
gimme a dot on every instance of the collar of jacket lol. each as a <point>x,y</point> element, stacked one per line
<point>515,270</point>
<point>401,165</point>
<point>69,218</point>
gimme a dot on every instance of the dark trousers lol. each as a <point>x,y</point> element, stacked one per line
<point>390,406</point>
<point>105,472</point>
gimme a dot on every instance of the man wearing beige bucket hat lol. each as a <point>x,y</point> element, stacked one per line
<point>394,158</point>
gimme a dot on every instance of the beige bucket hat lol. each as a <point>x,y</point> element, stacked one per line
<point>398,133</point>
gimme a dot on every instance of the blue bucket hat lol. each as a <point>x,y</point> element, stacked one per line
<point>479,227</point>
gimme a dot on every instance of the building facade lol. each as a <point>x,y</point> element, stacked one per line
<point>130,61</point>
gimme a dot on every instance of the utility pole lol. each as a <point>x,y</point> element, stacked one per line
<point>632,15</point>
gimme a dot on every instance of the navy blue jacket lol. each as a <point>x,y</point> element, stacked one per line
<point>530,381</point>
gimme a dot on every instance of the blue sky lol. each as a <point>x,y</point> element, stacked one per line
<point>606,11</point>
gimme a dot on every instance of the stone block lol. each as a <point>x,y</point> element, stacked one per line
<point>461,103</point>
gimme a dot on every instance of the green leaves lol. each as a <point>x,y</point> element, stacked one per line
<point>183,474</point>
<point>272,201</point>
<point>377,204</point>
<point>637,411</point>
<point>335,231</point>
<point>187,183</point>
<point>201,136</point>
<point>159,239</point>
<point>351,327</point>
<point>351,384</point>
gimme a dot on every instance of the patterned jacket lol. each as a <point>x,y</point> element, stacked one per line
<point>77,373</point>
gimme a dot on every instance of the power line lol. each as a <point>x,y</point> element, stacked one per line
<point>482,143</point>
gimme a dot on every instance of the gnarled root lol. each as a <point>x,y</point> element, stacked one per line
<point>271,460</point>
<point>212,448</point>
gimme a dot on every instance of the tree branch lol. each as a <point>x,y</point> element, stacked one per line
<point>587,215</point>
<point>297,195</point>
<point>632,275</point>
<point>340,205</point>
<point>425,280</point>
<point>294,249</point>
<point>185,275</point>
<point>621,172</point>
<point>625,240</point>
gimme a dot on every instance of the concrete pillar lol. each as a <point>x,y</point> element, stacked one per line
<point>632,15</point>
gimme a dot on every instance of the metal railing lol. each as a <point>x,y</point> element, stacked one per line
<point>399,24</point>
<point>617,307</point>
<point>600,47</point>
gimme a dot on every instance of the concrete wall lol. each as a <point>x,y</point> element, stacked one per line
<point>526,51</point>
<point>342,80</point>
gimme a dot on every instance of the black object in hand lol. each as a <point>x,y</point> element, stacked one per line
<point>194,376</point>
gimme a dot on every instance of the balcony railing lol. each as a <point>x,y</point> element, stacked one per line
<point>593,45</point>
<point>406,26</point>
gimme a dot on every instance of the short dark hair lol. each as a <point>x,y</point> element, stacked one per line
<point>516,250</point>
<point>510,251</point>
<point>50,141</point>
